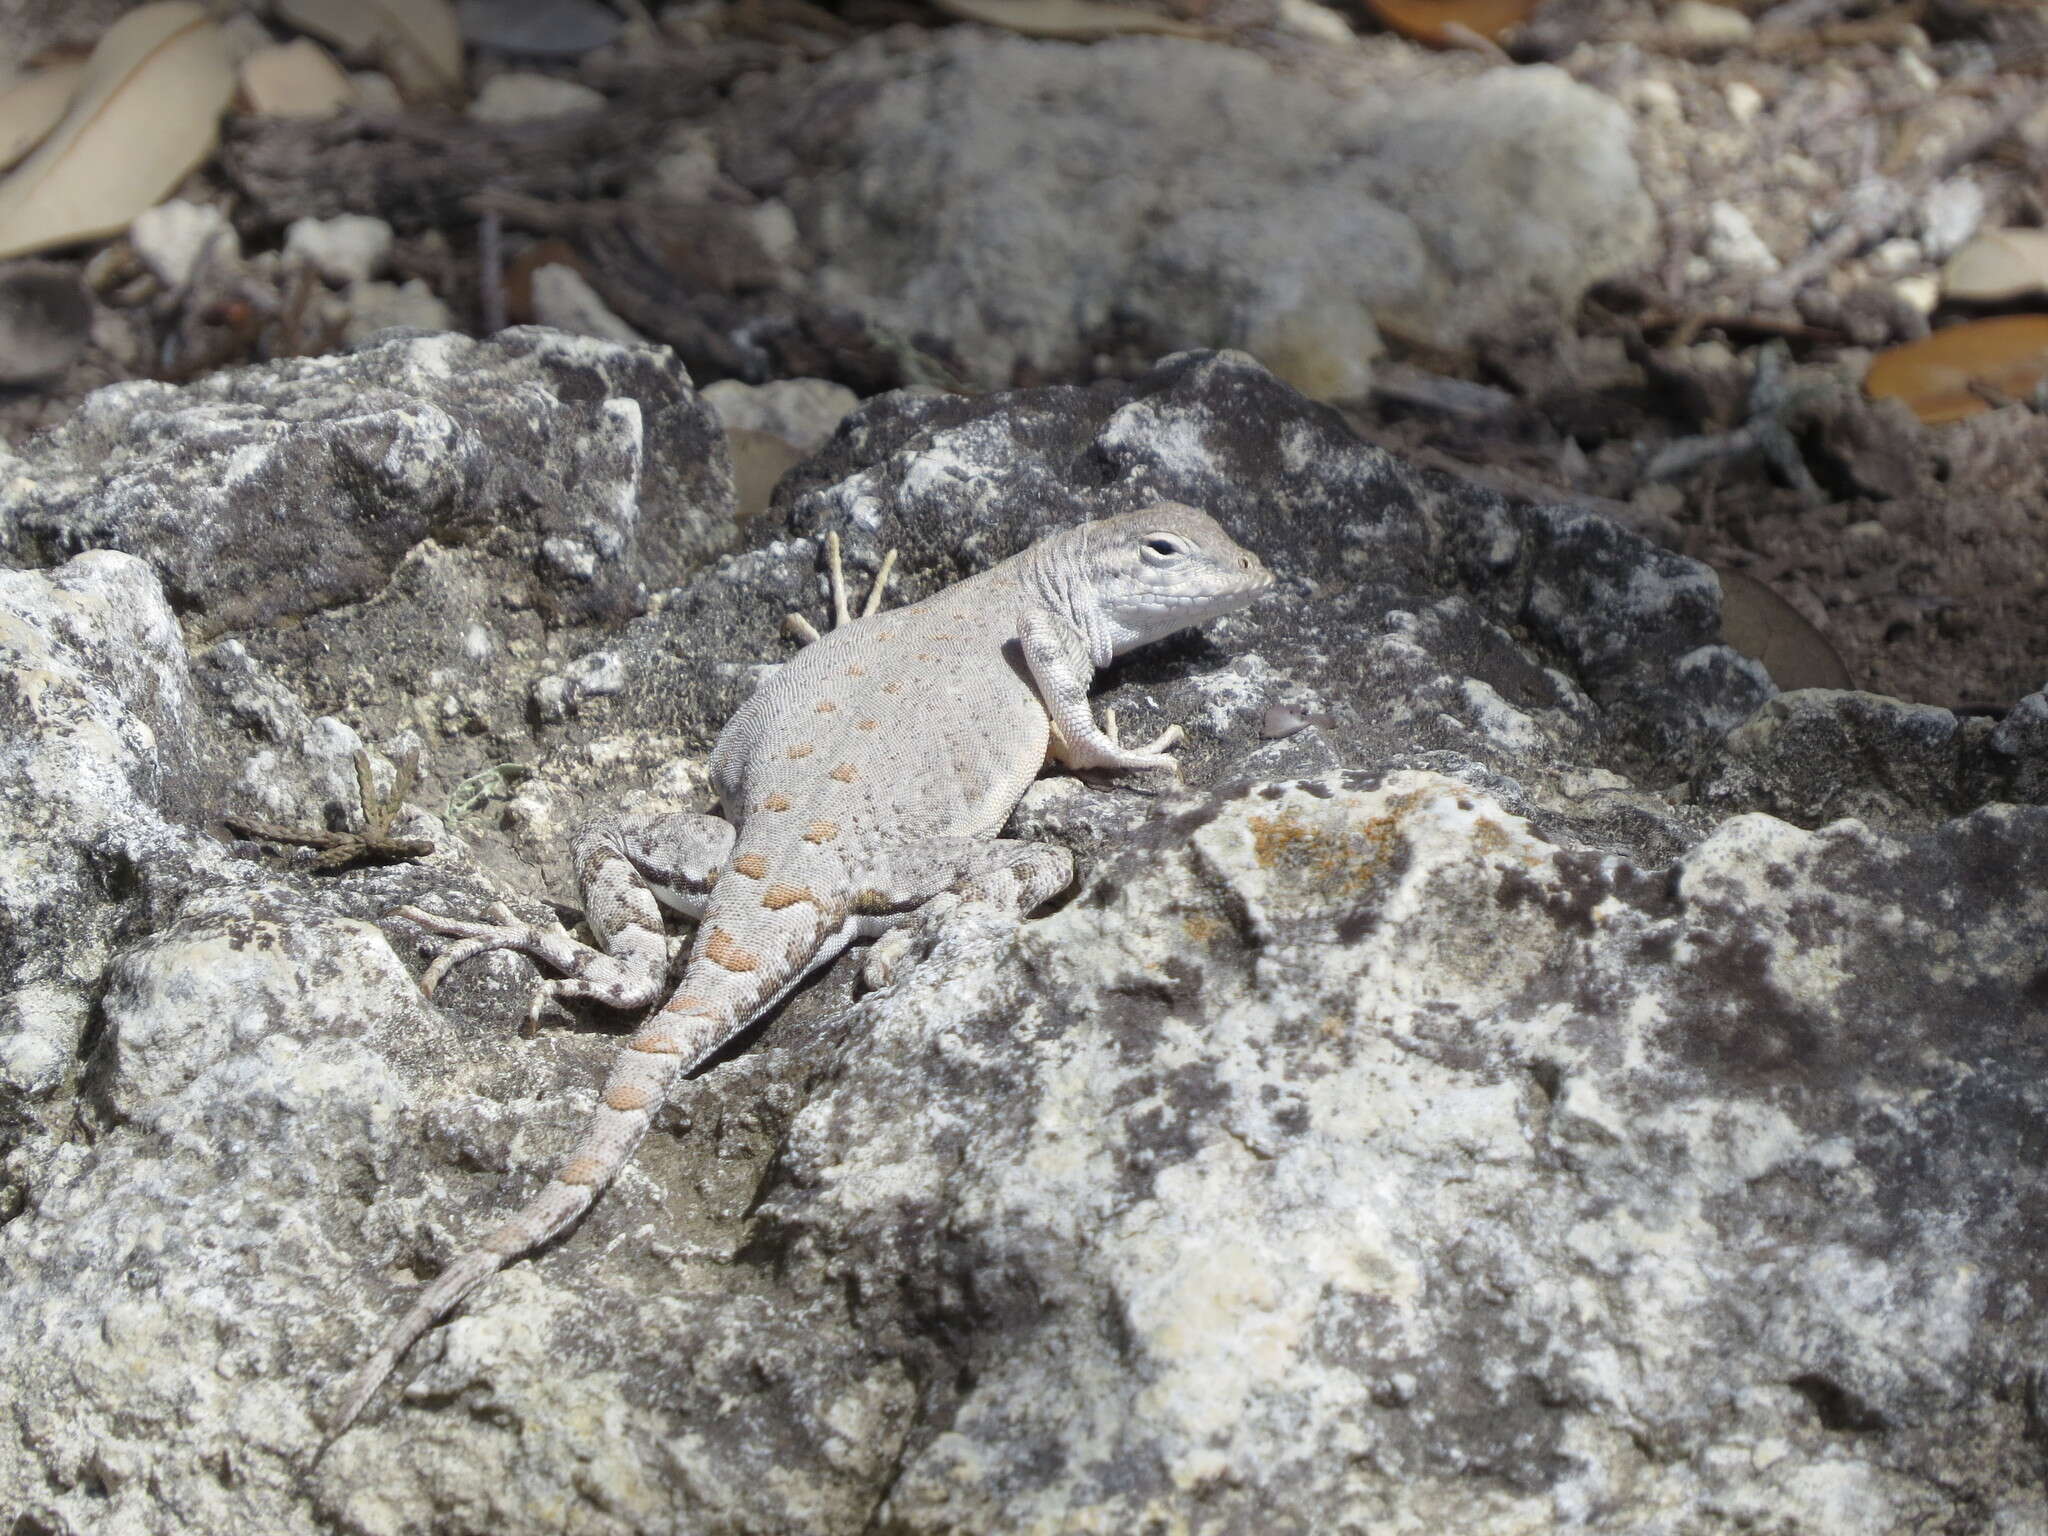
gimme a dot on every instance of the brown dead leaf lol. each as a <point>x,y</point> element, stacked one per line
<point>1766,628</point>
<point>31,106</point>
<point>1425,20</point>
<point>145,113</point>
<point>1073,19</point>
<point>418,42</point>
<point>1958,371</point>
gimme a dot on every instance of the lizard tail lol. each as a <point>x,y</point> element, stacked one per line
<point>647,1066</point>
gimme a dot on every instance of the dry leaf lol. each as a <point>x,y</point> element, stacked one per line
<point>1999,264</point>
<point>147,107</point>
<point>1425,20</point>
<point>1947,376</point>
<point>1766,628</point>
<point>418,42</point>
<point>295,79</point>
<point>31,106</point>
<point>1069,18</point>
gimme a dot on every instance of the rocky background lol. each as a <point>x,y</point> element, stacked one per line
<point>1532,1073</point>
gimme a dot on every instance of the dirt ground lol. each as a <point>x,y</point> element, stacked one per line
<point>1814,164</point>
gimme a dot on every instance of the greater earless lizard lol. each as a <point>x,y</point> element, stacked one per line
<point>866,777</point>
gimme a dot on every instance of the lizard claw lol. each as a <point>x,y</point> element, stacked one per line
<point>1148,758</point>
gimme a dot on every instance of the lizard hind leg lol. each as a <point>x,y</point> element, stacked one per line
<point>929,879</point>
<point>803,629</point>
<point>623,868</point>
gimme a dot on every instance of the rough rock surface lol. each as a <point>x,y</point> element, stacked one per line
<point>1459,1106</point>
<point>544,445</point>
<point>1018,207</point>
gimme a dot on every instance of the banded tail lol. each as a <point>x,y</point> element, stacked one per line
<point>673,1042</point>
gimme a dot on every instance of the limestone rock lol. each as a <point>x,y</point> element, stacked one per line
<point>1020,207</point>
<point>533,437</point>
<point>802,412</point>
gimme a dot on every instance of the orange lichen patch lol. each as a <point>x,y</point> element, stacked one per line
<point>778,896</point>
<point>821,831</point>
<point>1964,369</point>
<point>776,802</point>
<point>826,707</point>
<point>725,951</point>
<point>1332,861</point>
<point>626,1099</point>
<point>752,865</point>
<point>845,773</point>
<point>892,687</point>
<point>867,725</point>
<point>582,1171</point>
<point>802,749</point>
<point>1427,20</point>
<point>1203,926</point>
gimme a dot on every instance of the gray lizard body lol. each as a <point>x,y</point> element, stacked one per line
<point>865,777</point>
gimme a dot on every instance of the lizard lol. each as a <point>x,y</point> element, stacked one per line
<point>865,778</point>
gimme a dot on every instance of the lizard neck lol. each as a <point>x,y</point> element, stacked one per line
<point>1061,581</point>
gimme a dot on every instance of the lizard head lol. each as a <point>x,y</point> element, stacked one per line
<point>1168,567</point>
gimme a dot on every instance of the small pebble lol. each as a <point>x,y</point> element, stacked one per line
<point>525,98</point>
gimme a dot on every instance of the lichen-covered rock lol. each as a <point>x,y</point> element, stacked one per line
<point>1455,1107</point>
<point>1351,1154</point>
<point>1019,207</point>
<point>594,469</point>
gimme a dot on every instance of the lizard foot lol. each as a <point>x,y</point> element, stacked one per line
<point>796,624</point>
<point>892,955</point>
<point>1151,756</point>
<point>503,930</point>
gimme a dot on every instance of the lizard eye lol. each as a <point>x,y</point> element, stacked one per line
<point>1162,547</point>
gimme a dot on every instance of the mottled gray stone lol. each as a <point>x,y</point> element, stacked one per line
<point>529,437</point>
<point>1020,207</point>
<point>1465,1113</point>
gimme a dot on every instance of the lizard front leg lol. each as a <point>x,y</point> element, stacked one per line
<point>623,868</point>
<point>1061,670</point>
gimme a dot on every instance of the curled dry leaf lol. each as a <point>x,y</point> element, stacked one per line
<point>1426,20</point>
<point>1074,19</point>
<point>1964,369</point>
<point>1766,628</point>
<point>31,106</point>
<point>417,42</point>
<point>1998,264</point>
<point>147,106</point>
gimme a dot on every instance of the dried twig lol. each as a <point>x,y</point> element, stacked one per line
<point>1877,204</point>
<point>373,842</point>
